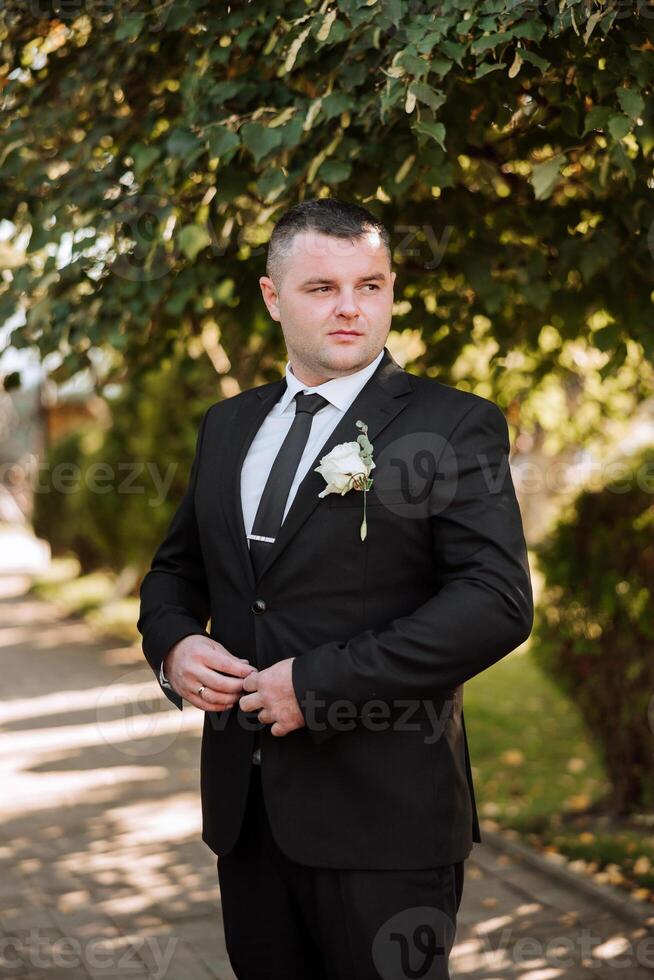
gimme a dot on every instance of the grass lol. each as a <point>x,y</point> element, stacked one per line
<point>537,773</point>
<point>92,597</point>
<point>530,756</point>
<point>622,856</point>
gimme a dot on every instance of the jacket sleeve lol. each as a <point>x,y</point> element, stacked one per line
<point>174,593</point>
<point>481,611</point>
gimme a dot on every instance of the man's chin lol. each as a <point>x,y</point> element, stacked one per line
<point>348,354</point>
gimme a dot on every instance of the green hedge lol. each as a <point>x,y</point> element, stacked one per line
<point>594,629</point>
<point>127,480</point>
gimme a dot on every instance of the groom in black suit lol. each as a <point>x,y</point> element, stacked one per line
<point>345,617</point>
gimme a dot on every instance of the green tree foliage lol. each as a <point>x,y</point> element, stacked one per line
<point>146,150</point>
<point>594,633</point>
<point>108,494</point>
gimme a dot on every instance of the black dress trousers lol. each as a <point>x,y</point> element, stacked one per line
<point>290,921</point>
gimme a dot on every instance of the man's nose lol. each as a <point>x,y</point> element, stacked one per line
<point>346,306</point>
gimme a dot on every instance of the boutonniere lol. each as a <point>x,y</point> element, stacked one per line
<point>347,467</point>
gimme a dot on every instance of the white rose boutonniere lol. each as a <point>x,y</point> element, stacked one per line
<point>348,467</point>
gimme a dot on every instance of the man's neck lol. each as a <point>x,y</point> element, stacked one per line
<point>307,379</point>
<point>312,381</point>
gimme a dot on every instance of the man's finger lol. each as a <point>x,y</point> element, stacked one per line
<point>217,697</point>
<point>216,681</point>
<point>251,682</point>
<point>251,702</point>
<point>223,661</point>
<point>205,705</point>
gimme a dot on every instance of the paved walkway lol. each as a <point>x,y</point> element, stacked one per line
<point>102,870</point>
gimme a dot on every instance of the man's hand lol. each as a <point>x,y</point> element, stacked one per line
<point>271,693</point>
<point>197,660</point>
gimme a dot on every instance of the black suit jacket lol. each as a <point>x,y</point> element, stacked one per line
<point>385,631</point>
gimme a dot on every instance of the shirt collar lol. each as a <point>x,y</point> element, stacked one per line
<point>340,392</point>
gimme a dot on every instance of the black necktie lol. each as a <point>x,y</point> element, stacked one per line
<point>270,512</point>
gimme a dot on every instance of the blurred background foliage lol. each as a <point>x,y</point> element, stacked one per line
<point>113,489</point>
<point>594,633</point>
<point>146,150</point>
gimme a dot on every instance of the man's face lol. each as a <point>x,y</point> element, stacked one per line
<point>334,303</point>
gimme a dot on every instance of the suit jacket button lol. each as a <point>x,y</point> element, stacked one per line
<point>259,606</point>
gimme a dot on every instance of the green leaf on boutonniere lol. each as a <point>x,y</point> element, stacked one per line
<point>364,443</point>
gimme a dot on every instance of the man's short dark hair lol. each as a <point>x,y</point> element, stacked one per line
<point>327,215</point>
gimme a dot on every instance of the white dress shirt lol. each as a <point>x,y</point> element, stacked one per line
<point>340,393</point>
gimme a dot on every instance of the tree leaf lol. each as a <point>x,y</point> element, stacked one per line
<point>222,140</point>
<point>260,140</point>
<point>619,126</point>
<point>490,41</point>
<point>535,59</point>
<point>620,157</point>
<point>592,23</point>
<point>454,50</point>
<point>191,239</point>
<point>545,176</point>
<point>412,63</point>
<point>439,66</point>
<point>182,142</point>
<point>425,93</point>
<point>130,28</point>
<point>533,30</point>
<point>597,118</point>
<point>631,101</point>
<point>486,67</point>
<point>271,183</point>
<point>334,171</point>
<point>434,129</point>
<point>144,157</point>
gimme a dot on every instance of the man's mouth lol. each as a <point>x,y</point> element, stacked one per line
<point>347,333</point>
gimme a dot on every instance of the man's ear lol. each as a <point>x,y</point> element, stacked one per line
<point>270,298</point>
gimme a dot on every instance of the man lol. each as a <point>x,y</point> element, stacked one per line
<point>336,783</point>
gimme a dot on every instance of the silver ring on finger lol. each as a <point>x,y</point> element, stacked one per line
<point>201,689</point>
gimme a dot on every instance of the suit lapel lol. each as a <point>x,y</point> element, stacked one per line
<point>243,425</point>
<point>377,404</point>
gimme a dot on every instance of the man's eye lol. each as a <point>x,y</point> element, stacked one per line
<point>319,289</point>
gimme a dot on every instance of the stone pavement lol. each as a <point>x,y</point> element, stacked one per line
<point>102,870</point>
